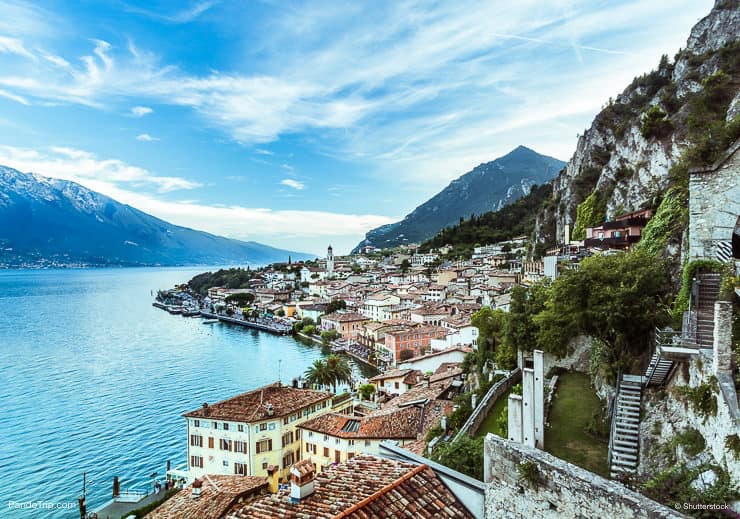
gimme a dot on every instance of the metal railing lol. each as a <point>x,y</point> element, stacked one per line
<point>613,428</point>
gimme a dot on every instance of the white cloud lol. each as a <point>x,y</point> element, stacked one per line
<point>141,111</point>
<point>14,46</point>
<point>85,167</point>
<point>293,229</point>
<point>292,183</point>
<point>14,97</point>
<point>145,137</point>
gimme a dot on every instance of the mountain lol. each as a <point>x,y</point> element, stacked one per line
<point>638,149</point>
<point>487,187</point>
<point>51,221</point>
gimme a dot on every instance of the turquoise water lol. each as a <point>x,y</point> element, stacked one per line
<point>94,379</point>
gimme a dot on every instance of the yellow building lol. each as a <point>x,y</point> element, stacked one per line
<point>250,432</point>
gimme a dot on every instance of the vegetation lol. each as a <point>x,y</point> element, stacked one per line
<point>227,278</point>
<point>655,123</point>
<point>573,406</point>
<point>690,271</point>
<point>615,299</point>
<point>590,213</point>
<point>530,472</point>
<point>329,372</point>
<point>241,300</point>
<point>702,398</point>
<point>515,219</point>
<point>328,336</point>
<point>690,440</point>
<point>668,222</point>
<point>366,391</point>
<point>732,444</point>
<point>300,325</point>
<point>673,485</point>
<point>490,324</point>
<point>334,305</point>
<point>406,355</point>
<point>464,455</point>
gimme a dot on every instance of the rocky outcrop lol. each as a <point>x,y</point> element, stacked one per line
<point>622,158</point>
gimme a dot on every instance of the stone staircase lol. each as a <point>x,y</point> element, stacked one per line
<point>658,370</point>
<point>625,434</point>
<point>708,295</point>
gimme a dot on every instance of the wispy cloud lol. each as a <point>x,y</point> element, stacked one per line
<point>14,97</point>
<point>141,111</point>
<point>145,137</point>
<point>186,15</point>
<point>85,167</point>
<point>115,178</point>
<point>292,183</point>
<point>14,46</point>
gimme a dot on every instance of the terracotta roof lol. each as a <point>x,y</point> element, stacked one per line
<point>365,487</point>
<point>253,405</point>
<point>217,495</point>
<point>394,373</point>
<point>344,317</point>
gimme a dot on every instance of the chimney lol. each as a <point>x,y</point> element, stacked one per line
<point>270,410</point>
<point>196,486</point>
<point>302,476</point>
<point>206,411</point>
<point>426,381</point>
<point>116,487</point>
<point>273,477</point>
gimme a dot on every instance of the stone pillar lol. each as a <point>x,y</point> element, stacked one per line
<point>539,399</point>
<point>528,437</point>
<point>722,337</point>
<point>520,359</point>
<point>515,418</point>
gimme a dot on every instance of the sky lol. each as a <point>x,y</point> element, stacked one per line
<point>303,124</point>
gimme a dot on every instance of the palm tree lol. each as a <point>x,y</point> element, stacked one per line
<point>339,370</point>
<point>318,374</point>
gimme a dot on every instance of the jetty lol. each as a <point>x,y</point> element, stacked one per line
<point>265,325</point>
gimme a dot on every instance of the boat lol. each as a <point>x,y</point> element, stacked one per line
<point>210,321</point>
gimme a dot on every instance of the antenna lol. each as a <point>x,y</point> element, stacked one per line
<point>280,365</point>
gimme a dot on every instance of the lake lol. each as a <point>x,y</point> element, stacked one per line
<point>94,379</point>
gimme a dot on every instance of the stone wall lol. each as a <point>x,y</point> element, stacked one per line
<point>714,205</point>
<point>562,489</point>
<point>473,423</point>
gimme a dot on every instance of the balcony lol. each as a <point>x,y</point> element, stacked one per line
<point>638,221</point>
<point>612,243</point>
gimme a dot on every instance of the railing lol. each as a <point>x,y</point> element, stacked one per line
<point>613,413</point>
<point>674,338</point>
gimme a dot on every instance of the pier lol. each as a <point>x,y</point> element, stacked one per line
<point>267,326</point>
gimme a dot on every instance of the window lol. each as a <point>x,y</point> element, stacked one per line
<point>196,423</point>
<point>264,465</point>
<point>395,384</point>
<point>240,469</point>
<point>196,461</point>
<point>264,446</point>
<point>272,426</point>
<point>367,443</point>
<point>336,441</point>
<point>287,438</point>
<point>215,425</point>
<point>350,455</point>
<point>226,463</point>
<point>226,426</point>
<point>225,445</point>
<point>287,460</point>
<point>210,443</point>
<point>310,434</point>
<point>326,452</point>
<point>240,446</point>
<point>196,440</point>
<point>337,456</point>
<point>263,427</point>
<point>350,442</point>
<point>293,417</point>
<point>326,437</point>
<point>285,421</point>
<point>240,428</point>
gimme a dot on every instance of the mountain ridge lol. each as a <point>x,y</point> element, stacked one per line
<point>488,186</point>
<point>46,219</point>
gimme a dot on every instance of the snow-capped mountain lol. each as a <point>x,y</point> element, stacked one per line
<point>43,218</point>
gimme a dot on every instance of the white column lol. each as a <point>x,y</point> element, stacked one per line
<point>515,418</point>
<point>539,399</point>
<point>528,407</point>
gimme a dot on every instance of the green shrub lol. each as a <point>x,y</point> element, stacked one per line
<point>529,472</point>
<point>590,213</point>
<point>669,221</point>
<point>702,398</point>
<point>691,440</point>
<point>732,444</point>
<point>655,123</point>
<point>690,271</point>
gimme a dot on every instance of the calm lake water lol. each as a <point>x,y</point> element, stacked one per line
<point>94,379</point>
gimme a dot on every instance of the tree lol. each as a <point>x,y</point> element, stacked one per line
<point>339,371</point>
<point>241,299</point>
<point>329,335</point>
<point>366,391</point>
<point>464,455</point>
<point>317,374</point>
<point>520,331</point>
<point>618,300</point>
<point>406,355</point>
<point>405,266</point>
<point>309,329</point>
<point>280,313</point>
<point>336,304</point>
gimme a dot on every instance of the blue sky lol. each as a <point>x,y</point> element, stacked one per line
<point>300,124</point>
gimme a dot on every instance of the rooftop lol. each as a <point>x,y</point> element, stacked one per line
<point>218,494</point>
<point>253,405</point>
<point>365,486</point>
<point>344,317</point>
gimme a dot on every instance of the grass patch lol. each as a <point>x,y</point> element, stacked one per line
<point>573,407</point>
<point>491,423</point>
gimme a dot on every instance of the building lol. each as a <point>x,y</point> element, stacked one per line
<point>348,324</point>
<point>396,381</point>
<point>365,486</point>
<point>432,361</point>
<point>246,434</point>
<point>376,306</point>
<point>416,340</point>
<point>621,233</point>
<point>329,261</point>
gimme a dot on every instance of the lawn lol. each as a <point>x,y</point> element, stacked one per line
<point>489,424</point>
<point>573,405</point>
